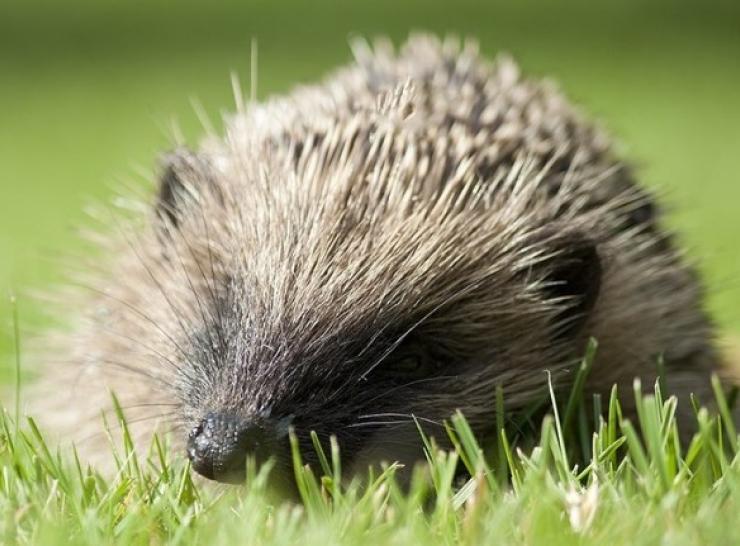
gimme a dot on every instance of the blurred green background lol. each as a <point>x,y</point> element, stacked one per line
<point>89,89</point>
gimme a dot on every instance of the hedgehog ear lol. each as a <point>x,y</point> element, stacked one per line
<point>181,171</point>
<point>573,278</point>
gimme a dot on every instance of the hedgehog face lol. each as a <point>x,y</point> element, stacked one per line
<point>369,395</point>
<point>365,323</point>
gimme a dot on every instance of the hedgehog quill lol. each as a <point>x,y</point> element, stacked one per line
<point>377,250</point>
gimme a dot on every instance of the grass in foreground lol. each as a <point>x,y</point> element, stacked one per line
<point>638,486</point>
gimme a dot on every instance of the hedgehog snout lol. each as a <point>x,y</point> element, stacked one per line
<point>219,444</point>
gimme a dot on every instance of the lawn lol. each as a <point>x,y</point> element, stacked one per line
<point>91,92</point>
<point>635,485</point>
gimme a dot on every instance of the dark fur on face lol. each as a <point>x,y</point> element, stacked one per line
<point>383,250</point>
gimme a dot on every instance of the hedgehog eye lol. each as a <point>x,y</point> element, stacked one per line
<point>412,364</point>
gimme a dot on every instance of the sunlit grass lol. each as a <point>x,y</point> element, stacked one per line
<point>634,483</point>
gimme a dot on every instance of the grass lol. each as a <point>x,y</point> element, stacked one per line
<point>635,485</point>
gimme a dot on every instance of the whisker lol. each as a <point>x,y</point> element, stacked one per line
<point>212,284</point>
<point>120,365</point>
<point>177,312</point>
<point>411,384</point>
<point>138,343</point>
<point>379,423</point>
<point>142,419</point>
<point>150,405</point>
<point>207,320</point>
<point>410,416</point>
<point>88,365</point>
<point>139,312</point>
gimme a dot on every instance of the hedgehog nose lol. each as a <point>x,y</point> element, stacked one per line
<point>218,446</point>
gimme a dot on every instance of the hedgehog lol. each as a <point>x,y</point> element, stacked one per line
<point>365,257</point>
